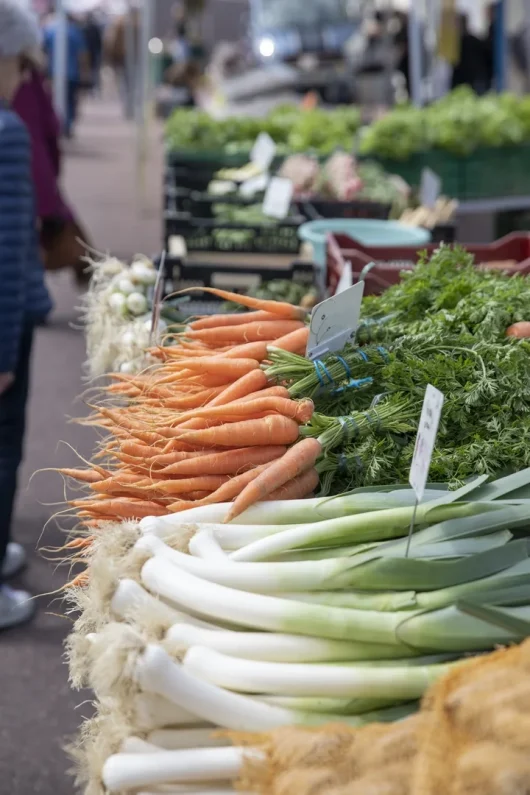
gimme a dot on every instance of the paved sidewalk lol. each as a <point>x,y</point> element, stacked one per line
<point>37,710</point>
<point>118,201</point>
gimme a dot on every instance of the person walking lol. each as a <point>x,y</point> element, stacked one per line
<point>24,300</point>
<point>93,32</point>
<point>77,71</point>
<point>60,232</point>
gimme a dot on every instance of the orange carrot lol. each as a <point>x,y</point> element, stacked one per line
<point>301,410</point>
<point>278,308</point>
<point>250,332</point>
<point>294,341</point>
<point>225,493</point>
<point>298,488</point>
<point>216,321</point>
<point>83,475</point>
<point>272,430</point>
<point>185,485</point>
<point>271,391</point>
<point>248,350</point>
<point>298,459</point>
<point>232,368</point>
<point>126,508</point>
<point>229,462</point>
<point>191,401</point>
<point>246,385</point>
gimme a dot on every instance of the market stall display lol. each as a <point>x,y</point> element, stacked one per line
<point>475,144</point>
<point>217,591</point>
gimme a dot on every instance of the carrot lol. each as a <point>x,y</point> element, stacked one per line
<point>250,332</point>
<point>298,459</point>
<point>232,368</point>
<point>229,462</point>
<point>248,350</point>
<point>201,398</point>
<point>225,493</point>
<point>217,321</point>
<point>301,410</point>
<point>185,485</point>
<point>271,391</point>
<point>298,488</point>
<point>294,341</point>
<point>83,475</point>
<point>275,429</point>
<point>278,308</point>
<point>126,508</point>
<point>246,385</point>
<point>138,450</point>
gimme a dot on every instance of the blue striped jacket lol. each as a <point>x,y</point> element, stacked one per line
<point>23,294</point>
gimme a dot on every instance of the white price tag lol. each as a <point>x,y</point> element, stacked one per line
<point>334,322</point>
<point>263,151</point>
<point>253,185</point>
<point>278,197</point>
<point>425,440</point>
<point>430,187</point>
<point>346,278</point>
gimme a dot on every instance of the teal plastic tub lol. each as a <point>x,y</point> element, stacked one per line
<point>369,232</point>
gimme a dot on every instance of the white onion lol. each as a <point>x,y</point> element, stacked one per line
<point>117,303</point>
<point>125,286</point>
<point>137,303</point>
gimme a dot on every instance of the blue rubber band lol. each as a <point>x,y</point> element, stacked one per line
<point>319,368</point>
<point>363,355</point>
<point>353,384</point>
<point>344,364</point>
<point>350,426</point>
<point>384,353</point>
<point>342,463</point>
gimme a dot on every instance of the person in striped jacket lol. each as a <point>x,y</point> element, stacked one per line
<point>24,300</point>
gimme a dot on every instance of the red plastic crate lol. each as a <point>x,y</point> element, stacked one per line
<point>389,262</point>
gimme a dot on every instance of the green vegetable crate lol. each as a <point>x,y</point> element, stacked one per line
<point>486,173</point>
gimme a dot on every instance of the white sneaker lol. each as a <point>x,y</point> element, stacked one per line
<point>16,607</point>
<point>14,561</point>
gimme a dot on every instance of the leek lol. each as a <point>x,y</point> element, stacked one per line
<point>402,683</point>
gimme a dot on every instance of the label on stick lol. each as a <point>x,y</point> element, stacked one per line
<point>263,151</point>
<point>431,185</point>
<point>425,440</point>
<point>278,197</point>
<point>334,322</point>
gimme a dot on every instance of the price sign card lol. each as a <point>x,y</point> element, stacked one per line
<point>278,196</point>
<point>425,440</point>
<point>263,151</point>
<point>334,322</point>
<point>431,185</point>
<point>253,185</point>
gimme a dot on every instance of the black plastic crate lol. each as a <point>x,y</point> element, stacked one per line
<point>312,209</point>
<point>443,233</point>
<point>181,274</point>
<point>205,234</point>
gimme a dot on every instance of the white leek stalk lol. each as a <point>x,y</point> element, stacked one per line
<point>130,597</point>
<point>151,712</point>
<point>276,647</point>
<point>289,512</point>
<point>135,745</point>
<point>284,679</point>
<point>131,771</point>
<point>267,612</point>
<point>204,544</point>
<point>157,673</point>
<point>179,739</point>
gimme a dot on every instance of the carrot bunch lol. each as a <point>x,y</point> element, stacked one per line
<point>204,426</point>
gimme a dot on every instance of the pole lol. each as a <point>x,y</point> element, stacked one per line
<point>143,109</point>
<point>131,49</point>
<point>60,58</point>
<point>415,56</point>
<point>499,45</point>
<point>526,24</point>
